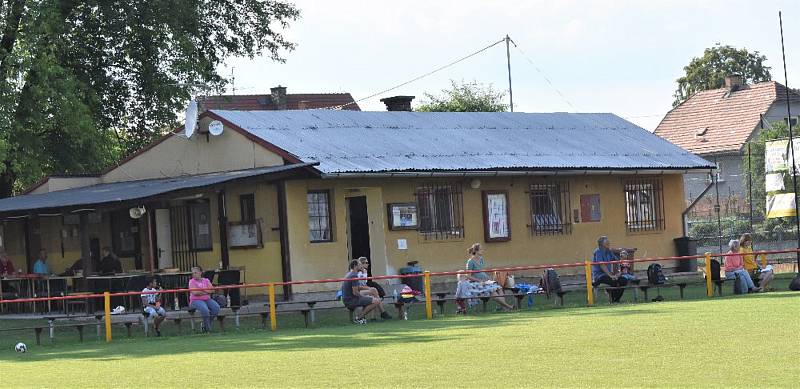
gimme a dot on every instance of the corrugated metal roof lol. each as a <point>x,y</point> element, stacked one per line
<point>130,190</point>
<point>353,142</point>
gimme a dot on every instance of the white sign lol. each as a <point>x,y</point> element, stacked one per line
<point>497,215</point>
<point>780,205</point>
<point>776,156</point>
<point>402,244</point>
<point>774,182</point>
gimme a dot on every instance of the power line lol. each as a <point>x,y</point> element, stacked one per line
<point>420,76</point>
<point>541,73</point>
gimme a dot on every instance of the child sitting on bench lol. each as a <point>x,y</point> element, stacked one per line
<point>151,301</point>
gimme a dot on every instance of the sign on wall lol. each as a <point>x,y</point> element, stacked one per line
<point>496,226</point>
<point>590,208</point>
<point>780,205</point>
<point>403,216</point>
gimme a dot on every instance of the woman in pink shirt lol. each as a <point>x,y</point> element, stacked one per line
<point>734,266</point>
<point>201,299</point>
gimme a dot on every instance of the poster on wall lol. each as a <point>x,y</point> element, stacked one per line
<point>244,234</point>
<point>590,208</point>
<point>495,216</point>
<point>402,216</point>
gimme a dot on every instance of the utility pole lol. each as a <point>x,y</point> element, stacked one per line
<point>508,62</point>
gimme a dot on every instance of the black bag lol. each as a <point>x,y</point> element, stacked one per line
<point>221,300</point>
<point>715,268</point>
<point>552,284</point>
<point>654,275</point>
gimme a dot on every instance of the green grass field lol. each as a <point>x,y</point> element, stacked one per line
<point>734,341</point>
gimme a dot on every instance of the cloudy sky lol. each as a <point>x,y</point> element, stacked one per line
<point>600,56</point>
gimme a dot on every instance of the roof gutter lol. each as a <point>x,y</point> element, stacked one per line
<point>509,173</point>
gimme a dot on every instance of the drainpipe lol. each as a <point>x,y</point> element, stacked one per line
<point>692,205</point>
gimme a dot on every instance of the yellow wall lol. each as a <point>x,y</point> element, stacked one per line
<point>324,260</point>
<point>178,155</point>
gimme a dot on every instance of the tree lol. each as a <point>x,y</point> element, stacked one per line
<point>83,82</point>
<point>709,71</point>
<point>465,97</point>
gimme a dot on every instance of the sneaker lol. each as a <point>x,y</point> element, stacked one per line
<point>360,320</point>
<point>386,316</point>
<point>158,332</point>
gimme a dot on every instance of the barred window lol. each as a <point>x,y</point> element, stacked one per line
<point>550,208</point>
<point>319,216</point>
<point>644,205</point>
<point>440,209</point>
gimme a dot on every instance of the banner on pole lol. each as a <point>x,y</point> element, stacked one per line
<point>774,182</point>
<point>780,205</point>
<point>776,156</point>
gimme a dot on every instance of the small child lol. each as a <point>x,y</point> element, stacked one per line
<point>362,273</point>
<point>151,302</point>
<point>625,270</point>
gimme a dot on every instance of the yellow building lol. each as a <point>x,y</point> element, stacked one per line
<point>293,195</point>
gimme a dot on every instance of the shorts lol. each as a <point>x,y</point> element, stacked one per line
<point>152,311</point>
<point>361,301</point>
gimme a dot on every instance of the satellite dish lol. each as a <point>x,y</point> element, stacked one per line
<point>215,128</point>
<point>137,212</point>
<point>191,119</point>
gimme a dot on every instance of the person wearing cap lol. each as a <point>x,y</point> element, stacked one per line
<point>603,273</point>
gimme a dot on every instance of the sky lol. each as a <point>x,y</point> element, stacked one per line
<point>571,56</point>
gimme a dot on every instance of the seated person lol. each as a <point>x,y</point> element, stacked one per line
<point>76,267</point>
<point>761,277</point>
<point>603,274</point>
<point>370,291</point>
<point>151,301</point>
<point>200,298</point>
<point>480,283</point>
<point>352,298</point>
<point>40,266</point>
<point>6,267</point>
<point>110,264</point>
<point>625,270</point>
<point>734,265</point>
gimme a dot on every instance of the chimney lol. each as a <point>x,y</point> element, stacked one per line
<point>398,103</point>
<point>733,82</point>
<point>279,97</point>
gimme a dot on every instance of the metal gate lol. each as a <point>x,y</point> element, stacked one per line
<point>183,256</point>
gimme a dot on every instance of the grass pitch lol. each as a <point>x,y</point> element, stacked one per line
<point>735,341</point>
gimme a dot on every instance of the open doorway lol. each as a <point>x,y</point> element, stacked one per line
<point>358,227</point>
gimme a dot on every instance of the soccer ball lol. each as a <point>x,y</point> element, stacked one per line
<point>21,347</point>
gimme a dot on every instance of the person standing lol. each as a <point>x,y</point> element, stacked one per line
<point>40,266</point>
<point>603,273</point>
<point>200,297</point>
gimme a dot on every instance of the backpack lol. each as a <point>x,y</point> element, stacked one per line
<point>654,275</point>
<point>551,282</point>
<point>715,268</point>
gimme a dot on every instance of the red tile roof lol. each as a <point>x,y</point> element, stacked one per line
<point>293,101</point>
<point>720,121</point>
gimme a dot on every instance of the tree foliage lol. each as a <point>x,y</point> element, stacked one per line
<point>83,82</point>
<point>465,97</point>
<point>709,71</point>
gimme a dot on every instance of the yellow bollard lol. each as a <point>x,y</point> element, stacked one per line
<point>589,289</point>
<point>428,308</point>
<point>709,286</point>
<point>763,260</point>
<point>273,318</point>
<point>107,303</point>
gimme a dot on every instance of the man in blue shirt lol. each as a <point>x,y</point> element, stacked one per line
<point>603,273</point>
<point>40,266</point>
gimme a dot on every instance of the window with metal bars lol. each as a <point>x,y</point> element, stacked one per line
<point>644,205</point>
<point>319,216</point>
<point>550,207</point>
<point>247,207</point>
<point>440,208</point>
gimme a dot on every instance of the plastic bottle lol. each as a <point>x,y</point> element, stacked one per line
<point>395,295</point>
<point>176,303</point>
<point>229,300</point>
